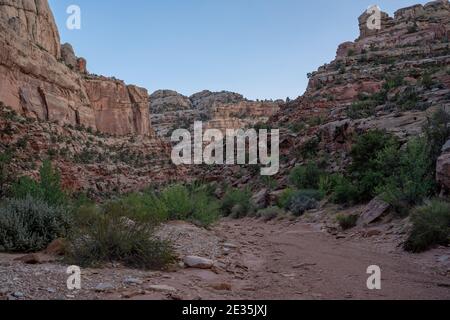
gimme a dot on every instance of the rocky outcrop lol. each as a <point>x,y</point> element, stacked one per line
<point>218,110</point>
<point>41,79</point>
<point>391,79</point>
<point>95,129</point>
<point>32,20</point>
<point>118,109</point>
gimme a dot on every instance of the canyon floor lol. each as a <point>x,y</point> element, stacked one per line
<point>282,259</point>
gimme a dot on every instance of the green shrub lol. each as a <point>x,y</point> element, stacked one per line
<point>412,180</point>
<point>237,203</point>
<point>368,170</point>
<point>431,226</point>
<point>5,176</point>
<point>347,221</point>
<point>144,207</point>
<point>270,213</point>
<point>285,197</point>
<point>178,202</point>
<point>306,177</point>
<point>30,224</point>
<point>48,189</point>
<point>327,184</point>
<point>409,100</point>
<point>427,81</point>
<point>437,132</point>
<point>362,109</point>
<point>345,192</point>
<point>206,209</point>
<point>111,238</point>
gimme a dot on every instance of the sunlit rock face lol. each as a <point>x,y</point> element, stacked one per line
<point>41,79</point>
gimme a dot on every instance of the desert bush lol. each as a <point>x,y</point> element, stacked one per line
<point>300,203</point>
<point>409,100</point>
<point>347,221</point>
<point>368,170</point>
<point>411,180</point>
<point>431,226</point>
<point>269,213</point>
<point>30,224</point>
<point>111,238</point>
<point>362,109</point>
<point>48,188</point>
<point>178,201</point>
<point>206,210</point>
<point>427,81</point>
<point>285,197</point>
<point>144,207</point>
<point>237,203</point>
<point>5,176</point>
<point>344,191</point>
<point>437,132</point>
<point>306,177</point>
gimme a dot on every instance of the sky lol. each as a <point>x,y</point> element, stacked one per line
<point>262,49</point>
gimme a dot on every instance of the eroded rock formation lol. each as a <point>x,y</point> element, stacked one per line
<point>218,110</point>
<point>44,80</point>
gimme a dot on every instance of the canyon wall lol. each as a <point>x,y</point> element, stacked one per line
<point>218,110</point>
<point>392,79</point>
<point>41,79</point>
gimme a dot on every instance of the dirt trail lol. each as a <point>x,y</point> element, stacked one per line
<point>254,260</point>
<point>299,261</point>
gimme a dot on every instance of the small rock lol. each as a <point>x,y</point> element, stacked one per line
<point>230,246</point>
<point>198,262</point>
<point>51,290</point>
<point>132,281</point>
<point>18,295</point>
<point>162,288</point>
<point>104,287</point>
<point>132,294</point>
<point>221,286</point>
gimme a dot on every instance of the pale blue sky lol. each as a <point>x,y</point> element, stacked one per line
<point>260,48</point>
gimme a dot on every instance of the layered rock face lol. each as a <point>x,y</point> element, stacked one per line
<point>41,79</point>
<point>392,79</point>
<point>96,130</point>
<point>218,110</point>
<point>32,20</point>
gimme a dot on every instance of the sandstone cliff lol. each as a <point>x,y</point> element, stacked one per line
<point>218,110</point>
<point>40,80</point>
<point>95,129</point>
<point>392,79</point>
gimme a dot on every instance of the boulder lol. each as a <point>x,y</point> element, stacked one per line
<point>161,288</point>
<point>198,262</point>
<point>373,211</point>
<point>261,199</point>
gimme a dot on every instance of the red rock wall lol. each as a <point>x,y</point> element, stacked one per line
<point>34,81</point>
